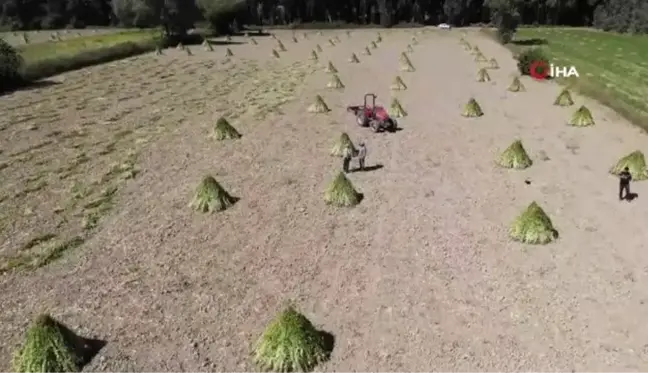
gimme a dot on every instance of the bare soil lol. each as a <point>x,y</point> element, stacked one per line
<point>420,276</point>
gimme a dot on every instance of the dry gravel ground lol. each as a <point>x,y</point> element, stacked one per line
<point>420,276</point>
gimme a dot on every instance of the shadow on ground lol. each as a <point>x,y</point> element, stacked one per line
<point>85,348</point>
<point>370,168</point>
<point>329,342</point>
<point>224,42</point>
<point>530,42</point>
<point>28,86</point>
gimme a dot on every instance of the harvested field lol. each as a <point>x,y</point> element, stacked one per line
<point>421,275</point>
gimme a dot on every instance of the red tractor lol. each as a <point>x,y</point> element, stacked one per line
<point>373,116</point>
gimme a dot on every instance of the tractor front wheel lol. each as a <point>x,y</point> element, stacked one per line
<point>376,125</point>
<point>362,119</point>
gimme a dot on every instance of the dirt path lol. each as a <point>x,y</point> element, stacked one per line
<point>420,276</point>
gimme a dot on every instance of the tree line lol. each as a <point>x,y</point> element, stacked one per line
<point>224,15</point>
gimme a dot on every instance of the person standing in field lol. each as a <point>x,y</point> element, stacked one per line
<point>346,158</point>
<point>624,184</point>
<point>362,154</point>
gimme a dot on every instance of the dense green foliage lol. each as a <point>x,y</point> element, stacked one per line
<point>620,15</point>
<point>10,65</point>
<point>528,57</point>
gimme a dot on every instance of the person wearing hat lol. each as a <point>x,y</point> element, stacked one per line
<point>624,183</point>
<point>362,154</point>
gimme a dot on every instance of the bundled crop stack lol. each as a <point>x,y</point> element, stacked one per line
<point>343,142</point>
<point>516,85</point>
<point>290,343</point>
<point>515,157</point>
<point>281,46</point>
<point>405,63</point>
<point>472,109</point>
<point>207,46</point>
<point>210,196</point>
<point>223,130</point>
<point>564,98</point>
<point>482,76</point>
<point>636,164</point>
<point>396,109</point>
<point>319,106</point>
<point>335,83</point>
<point>275,54</point>
<point>314,56</point>
<point>367,51</point>
<point>533,226</point>
<point>228,53</point>
<point>582,118</point>
<point>48,347</point>
<point>492,64</point>
<point>479,57</point>
<point>330,68</point>
<point>341,192</point>
<point>354,59</point>
<point>398,84</point>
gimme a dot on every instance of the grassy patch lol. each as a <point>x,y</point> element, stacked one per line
<point>39,255</point>
<point>50,58</point>
<point>613,68</point>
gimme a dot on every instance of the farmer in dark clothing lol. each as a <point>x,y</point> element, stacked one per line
<point>346,159</point>
<point>624,183</point>
<point>362,154</point>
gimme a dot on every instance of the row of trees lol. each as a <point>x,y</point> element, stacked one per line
<point>618,15</point>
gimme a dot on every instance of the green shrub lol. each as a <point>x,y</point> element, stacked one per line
<point>10,66</point>
<point>506,17</point>
<point>221,13</point>
<point>529,56</point>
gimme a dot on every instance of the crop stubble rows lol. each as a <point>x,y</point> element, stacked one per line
<point>66,151</point>
<point>420,276</point>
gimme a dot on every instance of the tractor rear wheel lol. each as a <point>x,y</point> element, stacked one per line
<point>390,125</point>
<point>362,119</point>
